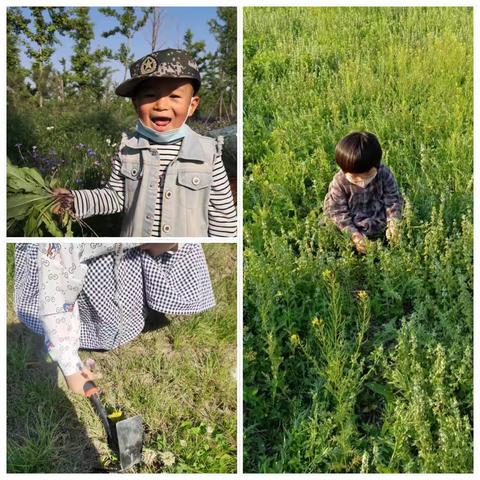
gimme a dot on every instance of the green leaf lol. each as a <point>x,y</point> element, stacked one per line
<point>383,390</point>
<point>30,229</point>
<point>34,175</point>
<point>23,179</point>
<point>382,469</point>
<point>67,224</point>
<point>20,185</point>
<point>18,205</point>
<point>51,226</point>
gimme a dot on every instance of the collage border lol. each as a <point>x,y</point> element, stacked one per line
<point>239,240</point>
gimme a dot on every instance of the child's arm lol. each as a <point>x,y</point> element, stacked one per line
<point>60,280</point>
<point>391,196</point>
<point>99,201</point>
<point>393,205</point>
<point>222,215</point>
<point>335,207</point>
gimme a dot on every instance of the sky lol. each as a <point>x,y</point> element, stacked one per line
<point>177,20</point>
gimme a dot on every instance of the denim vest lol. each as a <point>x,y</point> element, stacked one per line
<point>186,189</point>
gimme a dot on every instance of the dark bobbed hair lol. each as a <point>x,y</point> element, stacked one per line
<point>358,152</point>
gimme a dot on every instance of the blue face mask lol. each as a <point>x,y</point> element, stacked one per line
<point>161,137</point>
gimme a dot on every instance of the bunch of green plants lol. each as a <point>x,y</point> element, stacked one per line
<point>358,363</point>
<point>30,202</point>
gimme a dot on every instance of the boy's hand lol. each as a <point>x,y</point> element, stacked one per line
<point>360,242</point>
<point>63,200</point>
<point>393,232</point>
<point>76,381</point>
<point>156,249</point>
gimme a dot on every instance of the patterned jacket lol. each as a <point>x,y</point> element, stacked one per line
<point>365,210</point>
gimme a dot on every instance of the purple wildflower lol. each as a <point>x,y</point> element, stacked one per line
<point>90,152</point>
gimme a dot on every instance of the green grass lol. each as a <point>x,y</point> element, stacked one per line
<point>337,380</point>
<point>180,378</point>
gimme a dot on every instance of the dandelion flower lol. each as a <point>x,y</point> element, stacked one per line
<point>168,458</point>
<point>115,415</point>
<point>294,339</point>
<point>149,456</point>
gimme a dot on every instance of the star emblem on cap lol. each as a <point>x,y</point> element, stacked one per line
<point>149,65</point>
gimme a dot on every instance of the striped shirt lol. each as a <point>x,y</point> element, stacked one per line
<point>222,216</point>
<point>366,210</point>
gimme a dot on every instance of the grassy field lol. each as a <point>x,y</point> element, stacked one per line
<point>358,363</point>
<point>179,375</point>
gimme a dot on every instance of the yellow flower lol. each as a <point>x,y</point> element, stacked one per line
<point>327,275</point>
<point>294,339</point>
<point>115,415</point>
<point>317,322</point>
<point>362,295</point>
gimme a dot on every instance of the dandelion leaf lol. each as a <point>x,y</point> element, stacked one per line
<point>18,205</point>
<point>51,225</point>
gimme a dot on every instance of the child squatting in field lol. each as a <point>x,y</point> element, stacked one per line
<point>168,180</point>
<point>363,197</point>
<point>97,296</point>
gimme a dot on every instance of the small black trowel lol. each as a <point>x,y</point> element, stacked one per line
<point>125,437</point>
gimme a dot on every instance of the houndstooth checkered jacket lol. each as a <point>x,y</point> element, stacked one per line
<point>365,210</point>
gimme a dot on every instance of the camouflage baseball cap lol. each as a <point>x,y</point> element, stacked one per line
<point>169,63</point>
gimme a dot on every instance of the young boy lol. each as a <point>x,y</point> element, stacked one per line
<point>363,197</point>
<point>168,180</point>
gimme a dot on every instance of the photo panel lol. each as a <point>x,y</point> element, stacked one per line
<point>358,240</point>
<point>121,357</point>
<point>121,121</point>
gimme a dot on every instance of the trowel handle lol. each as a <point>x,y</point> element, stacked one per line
<point>89,388</point>
<point>91,391</point>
